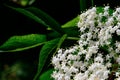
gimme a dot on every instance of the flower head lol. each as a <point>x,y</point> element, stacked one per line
<point>98,47</point>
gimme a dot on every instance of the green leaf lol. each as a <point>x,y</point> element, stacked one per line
<point>18,43</point>
<point>47,75</point>
<point>53,24</point>
<point>44,53</point>
<point>71,23</point>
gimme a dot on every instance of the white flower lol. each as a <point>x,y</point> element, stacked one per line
<point>108,57</point>
<point>117,74</point>
<point>71,57</point>
<point>59,51</point>
<point>78,76</point>
<point>78,64</point>
<point>106,13</point>
<point>56,61</point>
<point>67,77</point>
<point>118,60</point>
<point>118,10</point>
<point>118,32</point>
<point>99,59</point>
<point>106,8</point>
<point>89,36</point>
<point>93,49</point>
<point>117,78</point>
<point>117,50</point>
<point>73,69</point>
<point>108,65</point>
<point>82,29</point>
<point>117,46</point>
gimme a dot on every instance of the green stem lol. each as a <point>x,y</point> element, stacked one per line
<point>73,38</point>
<point>92,1</point>
<point>82,5</point>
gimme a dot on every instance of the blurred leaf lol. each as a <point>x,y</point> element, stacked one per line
<point>47,18</point>
<point>71,23</point>
<point>47,75</point>
<point>30,15</point>
<point>18,43</point>
<point>23,2</point>
<point>44,53</point>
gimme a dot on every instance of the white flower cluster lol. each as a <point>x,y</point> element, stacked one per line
<point>96,57</point>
